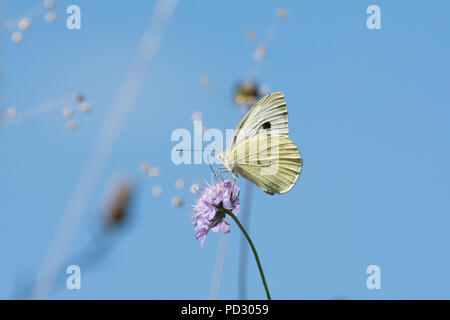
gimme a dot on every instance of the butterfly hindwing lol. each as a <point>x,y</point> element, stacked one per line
<point>272,162</point>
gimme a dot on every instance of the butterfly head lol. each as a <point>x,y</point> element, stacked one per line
<point>222,156</point>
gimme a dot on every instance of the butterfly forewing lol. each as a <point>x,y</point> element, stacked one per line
<point>268,116</point>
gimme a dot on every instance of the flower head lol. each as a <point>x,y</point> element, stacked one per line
<point>215,202</point>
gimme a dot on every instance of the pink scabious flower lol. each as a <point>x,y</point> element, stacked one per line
<point>215,202</point>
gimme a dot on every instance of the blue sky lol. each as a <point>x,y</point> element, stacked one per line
<point>368,109</point>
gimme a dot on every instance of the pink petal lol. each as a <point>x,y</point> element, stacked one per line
<point>225,227</point>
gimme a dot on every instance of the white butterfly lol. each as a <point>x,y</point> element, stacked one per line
<point>260,149</point>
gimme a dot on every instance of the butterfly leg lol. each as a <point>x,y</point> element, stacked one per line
<point>222,170</point>
<point>220,175</point>
<point>235,177</point>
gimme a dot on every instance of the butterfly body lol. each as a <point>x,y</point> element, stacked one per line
<point>260,149</point>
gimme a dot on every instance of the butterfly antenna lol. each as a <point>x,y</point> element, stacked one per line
<point>212,169</point>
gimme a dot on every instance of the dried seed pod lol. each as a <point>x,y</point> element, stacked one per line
<point>118,206</point>
<point>79,98</point>
<point>246,93</point>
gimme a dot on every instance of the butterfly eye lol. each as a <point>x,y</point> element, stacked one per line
<point>266,125</point>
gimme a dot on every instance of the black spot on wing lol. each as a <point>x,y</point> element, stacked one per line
<point>266,125</point>
<point>271,193</point>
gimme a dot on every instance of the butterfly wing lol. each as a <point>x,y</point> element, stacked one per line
<point>272,162</point>
<point>269,115</point>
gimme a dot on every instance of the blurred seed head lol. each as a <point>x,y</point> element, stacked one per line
<point>260,52</point>
<point>177,201</point>
<point>180,183</point>
<point>11,112</point>
<point>24,24</point>
<point>72,125</point>
<point>50,17</point>
<point>157,190</point>
<point>145,167</point>
<point>17,37</point>
<point>205,81</point>
<point>282,13</point>
<point>251,35</point>
<point>153,172</point>
<point>79,98</point>
<point>49,4</point>
<point>246,93</point>
<point>195,188</point>
<point>85,106</point>
<point>197,116</point>
<point>67,112</point>
<point>118,205</point>
<point>199,130</point>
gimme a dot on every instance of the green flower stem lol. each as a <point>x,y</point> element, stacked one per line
<point>261,272</point>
